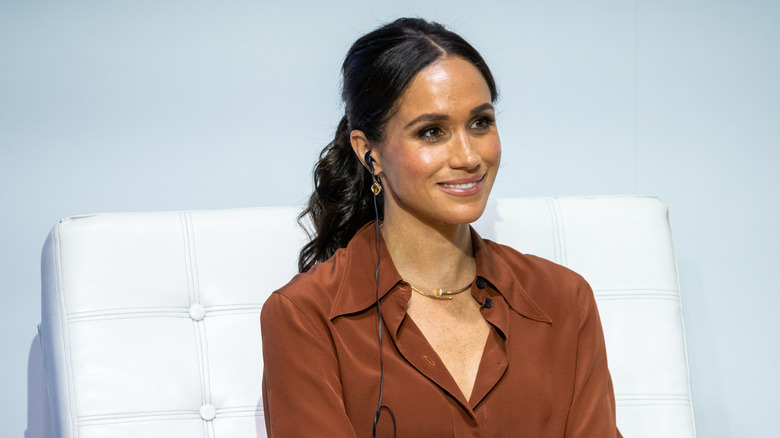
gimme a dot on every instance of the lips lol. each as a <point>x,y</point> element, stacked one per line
<point>463,183</point>
<point>463,187</point>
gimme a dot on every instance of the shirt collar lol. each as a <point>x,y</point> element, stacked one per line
<point>493,267</point>
<point>357,285</point>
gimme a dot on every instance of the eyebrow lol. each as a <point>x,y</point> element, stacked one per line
<point>433,117</point>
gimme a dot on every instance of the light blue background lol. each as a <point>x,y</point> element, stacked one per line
<point>151,105</point>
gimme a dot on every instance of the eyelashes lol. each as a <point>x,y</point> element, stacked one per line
<point>432,133</point>
<point>484,122</point>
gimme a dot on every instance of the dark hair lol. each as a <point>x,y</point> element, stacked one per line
<point>376,71</point>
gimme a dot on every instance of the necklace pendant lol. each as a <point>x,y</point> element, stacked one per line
<point>440,294</point>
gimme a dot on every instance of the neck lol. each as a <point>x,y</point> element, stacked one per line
<point>430,256</point>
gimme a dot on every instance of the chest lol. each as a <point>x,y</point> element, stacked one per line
<point>522,388</point>
<point>456,331</point>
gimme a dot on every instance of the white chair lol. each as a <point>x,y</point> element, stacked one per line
<point>150,322</point>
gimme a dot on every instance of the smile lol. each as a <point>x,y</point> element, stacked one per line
<point>464,187</point>
<point>461,186</point>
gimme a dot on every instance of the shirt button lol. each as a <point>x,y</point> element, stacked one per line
<point>488,303</point>
<point>481,283</point>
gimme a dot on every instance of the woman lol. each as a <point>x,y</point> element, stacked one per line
<point>476,338</point>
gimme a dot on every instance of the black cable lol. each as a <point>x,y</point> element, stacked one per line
<point>379,331</point>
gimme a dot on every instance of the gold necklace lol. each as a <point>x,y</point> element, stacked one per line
<point>441,294</point>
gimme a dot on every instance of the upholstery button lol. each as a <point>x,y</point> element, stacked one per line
<point>208,412</point>
<point>481,283</point>
<point>488,303</point>
<point>197,312</point>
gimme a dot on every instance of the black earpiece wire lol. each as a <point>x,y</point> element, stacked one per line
<point>380,406</point>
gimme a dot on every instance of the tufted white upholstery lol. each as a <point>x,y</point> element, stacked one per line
<point>151,320</point>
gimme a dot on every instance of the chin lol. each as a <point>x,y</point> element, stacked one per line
<point>466,215</point>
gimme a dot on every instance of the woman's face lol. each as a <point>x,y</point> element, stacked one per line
<point>441,149</point>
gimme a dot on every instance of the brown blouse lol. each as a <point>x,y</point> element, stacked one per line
<point>543,371</point>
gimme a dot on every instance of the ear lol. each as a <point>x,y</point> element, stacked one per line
<point>361,146</point>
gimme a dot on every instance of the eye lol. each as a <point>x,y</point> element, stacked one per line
<point>483,123</point>
<point>430,133</point>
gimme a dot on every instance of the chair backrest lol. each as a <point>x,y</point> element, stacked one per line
<point>150,322</point>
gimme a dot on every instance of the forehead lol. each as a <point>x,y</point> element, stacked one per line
<point>448,86</point>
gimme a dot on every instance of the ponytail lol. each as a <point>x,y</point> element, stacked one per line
<point>341,202</point>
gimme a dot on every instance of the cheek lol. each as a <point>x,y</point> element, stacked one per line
<point>417,164</point>
<point>491,150</point>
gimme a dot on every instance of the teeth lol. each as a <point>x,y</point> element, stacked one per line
<point>460,186</point>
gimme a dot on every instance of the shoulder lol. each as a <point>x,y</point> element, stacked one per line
<point>534,270</point>
<point>322,280</point>
<point>342,284</point>
<point>557,290</point>
<point>310,294</point>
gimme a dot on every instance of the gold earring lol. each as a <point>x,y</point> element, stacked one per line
<point>376,188</point>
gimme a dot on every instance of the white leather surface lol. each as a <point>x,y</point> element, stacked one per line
<point>151,320</point>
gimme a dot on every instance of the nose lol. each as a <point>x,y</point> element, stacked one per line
<point>463,153</point>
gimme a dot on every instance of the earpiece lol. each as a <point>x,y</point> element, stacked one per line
<point>376,188</point>
<point>369,161</point>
